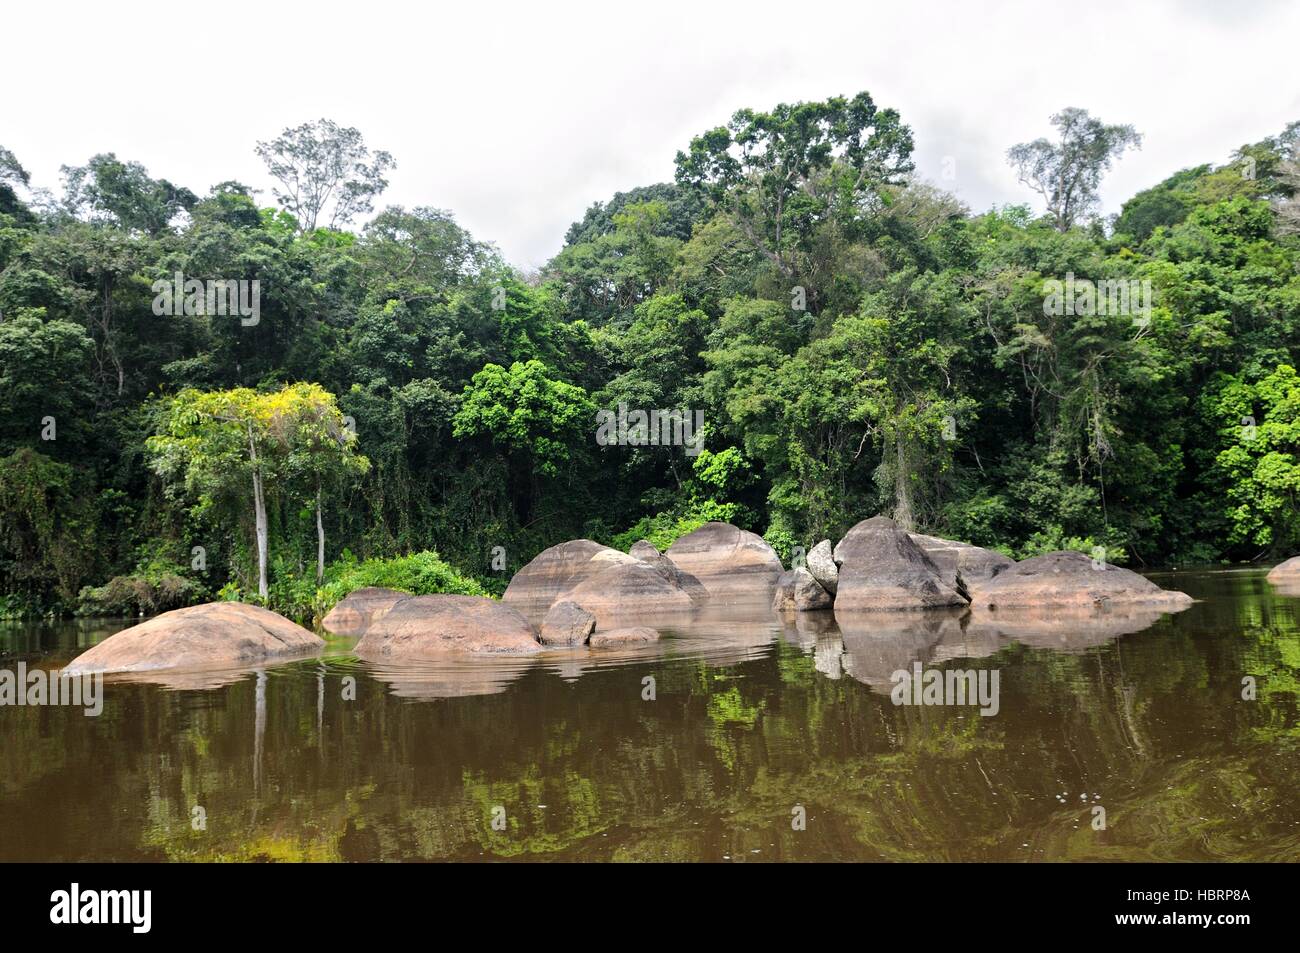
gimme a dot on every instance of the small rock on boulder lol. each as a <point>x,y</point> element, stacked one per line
<point>354,613</point>
<point>431,626</point>
<point>797,589</point>
<point>212,635</point>
<point>566,624</point>
<point>631,635</point>
<point>821,563</point>
<point>881,568</point>
<point>1072,579</point>
<point>644,549</point>
<point>732,563</point>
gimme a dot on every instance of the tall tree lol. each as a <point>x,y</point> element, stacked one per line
<point>324,167</point>
<point>1067,173</point>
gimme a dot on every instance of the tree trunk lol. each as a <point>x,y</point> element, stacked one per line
<point>259,517</point>
<point>320,539</point>
<point>902,489</point>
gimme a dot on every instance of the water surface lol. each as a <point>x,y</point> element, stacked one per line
<point>751,720</point>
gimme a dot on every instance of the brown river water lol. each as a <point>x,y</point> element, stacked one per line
<point>745,739</point>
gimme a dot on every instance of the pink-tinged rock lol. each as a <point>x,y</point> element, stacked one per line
<point>354,613</point>
<point>798,591</point>
<point>731,563</point>
<point>1286,572</point>
<point>634,588</point>
<point>566,624</point>
<point>209,636</point>
<point>535,587</point>
<point>432,626</point>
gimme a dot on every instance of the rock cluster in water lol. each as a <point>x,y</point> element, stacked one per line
<point>581,593</point>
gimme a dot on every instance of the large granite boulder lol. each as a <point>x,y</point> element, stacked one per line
<point>797,590</point>
<point>732,563</point>
<point>881,568</point>
<point>964,567</point>
<point>824,568</point>
<point>353,613</point>
<point>1287,572</point>
<point>633,588</point>
<point>566,623</point>
<point>1073,580</point>
<point>432,626</point>
<point>208,636</point>
<point>535,587</point>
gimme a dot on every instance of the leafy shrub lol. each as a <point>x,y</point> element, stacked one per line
<point>155,586</point>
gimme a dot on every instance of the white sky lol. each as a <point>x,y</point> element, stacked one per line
<point>517,116</point>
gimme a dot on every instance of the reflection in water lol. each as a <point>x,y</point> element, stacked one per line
<point>750,714</point>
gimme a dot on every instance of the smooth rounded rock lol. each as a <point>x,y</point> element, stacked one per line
<point>632,588</point>
<point>730,562</point>
<point>212,635</point>
<point>354,613</point>
<point>799,591</point>
<point>535,587</point>
<point>431,626</point>
<point>1286,572</point>
<point>1073,580</point>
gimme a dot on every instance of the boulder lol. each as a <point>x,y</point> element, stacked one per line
<point>566,624</point>
<point>1073,580</point>
<point>644,549</point>
<point>798,590</point>
<point>822,564</point>
<point>631,588</point>
<point>535,587</point>
<point>212,635</point>
<point>631,635</point>
<point>1286,572</point>
<point>353,613</point>
<point>730,562</point>
<point>964,567</point>
<point>881,568</point>
<point>432,626</point>
<point>646,552</point>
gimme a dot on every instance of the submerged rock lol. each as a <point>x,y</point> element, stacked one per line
<point>566,623</point>
<point>212,635</point>
<point>631,635</point>
<point>730,562</point>
<point>1073,580</point>
<point>824,568</point>
<point>963,567</point>
<point>881,568</point>
<point>1286,572</point>
<point>553,571</point>
<point>431,626</point>
<point>798,590</point>
<point>354,613</point>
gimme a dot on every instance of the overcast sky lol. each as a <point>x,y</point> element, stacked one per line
<point>517,116</point>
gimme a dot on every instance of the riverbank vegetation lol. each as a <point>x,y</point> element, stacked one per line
<point>857,340</point>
